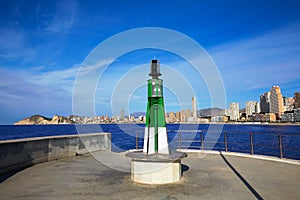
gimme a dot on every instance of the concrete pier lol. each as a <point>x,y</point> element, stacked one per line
<point>205,176</point>
<point>21,153</point>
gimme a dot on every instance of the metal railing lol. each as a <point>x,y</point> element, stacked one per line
<point>274,144</point>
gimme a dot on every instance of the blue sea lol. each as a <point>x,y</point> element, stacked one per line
<point>265,137</point>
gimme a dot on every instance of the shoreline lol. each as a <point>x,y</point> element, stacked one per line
<point>220,123</point>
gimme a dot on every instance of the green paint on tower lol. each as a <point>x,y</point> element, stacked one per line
<point>155,116</point>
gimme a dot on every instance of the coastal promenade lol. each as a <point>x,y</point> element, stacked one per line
<point>205,176</point>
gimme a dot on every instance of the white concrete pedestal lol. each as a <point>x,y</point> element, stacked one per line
<point>156,168</point>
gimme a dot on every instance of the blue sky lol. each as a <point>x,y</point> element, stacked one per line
<point>255,44</point>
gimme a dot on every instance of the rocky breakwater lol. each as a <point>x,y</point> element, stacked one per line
<point>39,119</point>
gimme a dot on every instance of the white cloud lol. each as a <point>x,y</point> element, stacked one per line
<point>261,61</point>
<point>13,44</point>
<point>63,79</point>
<point>94,66</point>
<point>23,98</point>
<point>63,19</point>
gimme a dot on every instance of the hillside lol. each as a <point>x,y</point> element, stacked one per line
<point>39,119</point>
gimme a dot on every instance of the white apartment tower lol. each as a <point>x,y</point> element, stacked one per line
<point>194,107</point>
<point>250,107</point>
<point>265,102</point>
<point>234,111</point>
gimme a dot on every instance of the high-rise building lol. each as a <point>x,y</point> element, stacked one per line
<point>288,103</point>
<point>178,116</point>
<point>122,114</point>
<point>250,107</point>
<point>257,107</point>
<point>276,100</point>
<point>194,108</point>
<point>171,117</point>
<point>297,100</point>
<point>265,102</point>
<point>234,111</point>
<point>184,115</point>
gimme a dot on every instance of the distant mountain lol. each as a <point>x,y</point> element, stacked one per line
<point>35,119</point>
<point>137,114</point>
<point>209,112</point>
<point>39,119</point>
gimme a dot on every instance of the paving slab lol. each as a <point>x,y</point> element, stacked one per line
<point>205,176</point>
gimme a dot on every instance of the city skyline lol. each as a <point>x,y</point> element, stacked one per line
<point>194,102</point>
<point>253,112</point>
<point>254,45</point>
<point>255,106</point>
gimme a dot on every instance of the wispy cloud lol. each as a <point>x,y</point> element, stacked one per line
<point>13,44</point>
<point>93,66</point>
<point>261,61</point>
<point>63,79</point>
<point>63,19</point>
<point>27,37</point>
<point>21,98</point>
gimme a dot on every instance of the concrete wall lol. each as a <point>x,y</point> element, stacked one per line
<point>22,153</point>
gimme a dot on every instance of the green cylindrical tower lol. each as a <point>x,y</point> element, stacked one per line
<point>155,139</point>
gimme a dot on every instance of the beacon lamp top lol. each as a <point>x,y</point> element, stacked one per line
<point>155,69</point>
<point>155,84</point>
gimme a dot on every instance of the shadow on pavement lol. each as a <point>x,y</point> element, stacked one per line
<point>252,190</point>
<point>184,168</point>
<point>6,175</point>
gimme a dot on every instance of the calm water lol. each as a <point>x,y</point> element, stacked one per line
<point>265,137</point>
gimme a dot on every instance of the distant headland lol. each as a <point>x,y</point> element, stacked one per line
<point>39,119</point>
